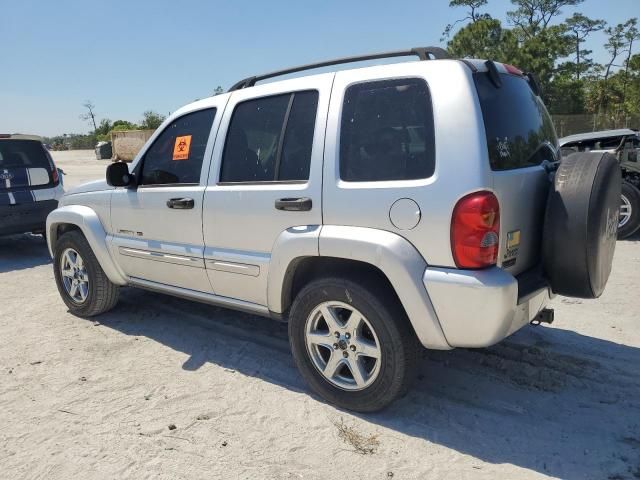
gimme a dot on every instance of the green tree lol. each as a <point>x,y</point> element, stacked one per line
<point>218,90</point>
<point>540,54</point>
<point>616,42</point>
<point>151,120</point>
<point>581,27</point>
<point>631,35</point>
<point>533,16</point>
<point>484,38</point>
<point>104,127</point>
<point>487,38</point>
<point>124,125</point>
<point>472,14</point>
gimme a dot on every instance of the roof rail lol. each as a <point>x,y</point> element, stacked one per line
<point>421,52</point>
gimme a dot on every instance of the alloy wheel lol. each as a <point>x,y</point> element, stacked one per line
<point>74,275</point>
<point>625,211</point>
<point>343,346</point>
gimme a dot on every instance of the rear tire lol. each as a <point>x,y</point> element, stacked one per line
<point>99,295</point>
<point>630,205</point>
<point>384,331</point>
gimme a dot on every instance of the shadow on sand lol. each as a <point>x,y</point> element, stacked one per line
<point>18,252</point>
<point>548,400</point>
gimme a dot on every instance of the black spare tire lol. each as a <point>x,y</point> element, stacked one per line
<point>581,223</point>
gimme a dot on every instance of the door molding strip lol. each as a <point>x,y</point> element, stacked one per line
<point>233,267</point>
<point>162,257</point>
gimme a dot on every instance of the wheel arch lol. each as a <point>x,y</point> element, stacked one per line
<point>361,253</point>
<point>85,220</point>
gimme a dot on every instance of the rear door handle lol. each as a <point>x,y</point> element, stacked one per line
<point>302,204</point>
<point>181,203</point>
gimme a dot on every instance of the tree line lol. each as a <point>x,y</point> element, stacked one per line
<point>541,39</point>
<point>102,129</point>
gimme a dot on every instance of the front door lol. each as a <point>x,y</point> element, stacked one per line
<point>266,177</point>
<point>157,227</point>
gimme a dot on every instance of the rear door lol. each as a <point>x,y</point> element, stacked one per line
<point>266,178</point>
<point>520,140</point>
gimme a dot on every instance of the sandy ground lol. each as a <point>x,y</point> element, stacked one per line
<point>95,399</point>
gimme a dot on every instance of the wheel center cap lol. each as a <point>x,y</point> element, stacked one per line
<point>343,344</point>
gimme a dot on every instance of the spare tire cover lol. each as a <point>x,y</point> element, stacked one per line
<point>581,224</point>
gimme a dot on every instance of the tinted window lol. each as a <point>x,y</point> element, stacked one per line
<point>298,138</point>
<point>387,131</point>
<point>23,153</point>
<point>24,163</point>
<point>270,139</point>
<point>519,130</point>
<point>176,155</point>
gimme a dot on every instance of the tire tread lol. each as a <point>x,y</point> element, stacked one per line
<point>104,294</point>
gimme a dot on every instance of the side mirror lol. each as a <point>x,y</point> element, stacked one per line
<point>118,175</point>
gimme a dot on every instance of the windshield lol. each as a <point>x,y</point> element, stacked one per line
<point>519,130</point>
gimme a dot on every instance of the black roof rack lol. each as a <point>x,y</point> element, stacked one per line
<point>421,52</point>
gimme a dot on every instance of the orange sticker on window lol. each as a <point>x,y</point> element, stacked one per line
<point>181,147</point>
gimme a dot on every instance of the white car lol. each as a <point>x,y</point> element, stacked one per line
<point>378,210</point>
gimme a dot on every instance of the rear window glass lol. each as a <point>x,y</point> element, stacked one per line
<point>519,130</point>
<point>387,131</point>
<point>23,154</point>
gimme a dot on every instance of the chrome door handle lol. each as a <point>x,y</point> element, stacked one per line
<point>181,203</point>
<point>302,204</point>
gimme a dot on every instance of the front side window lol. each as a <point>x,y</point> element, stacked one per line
<point>176,155</point>
<point>387,131</point>
<point>270,139</point>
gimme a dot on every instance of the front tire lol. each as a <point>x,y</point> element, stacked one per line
<point>354,346</point>
<point>83,285</point>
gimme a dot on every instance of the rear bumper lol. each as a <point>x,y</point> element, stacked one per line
<point>26,217</point>
<point>478,308</point>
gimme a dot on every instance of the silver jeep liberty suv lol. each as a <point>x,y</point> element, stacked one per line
<point>377,210</point>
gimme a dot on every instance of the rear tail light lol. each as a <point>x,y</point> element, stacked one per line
<point>55,176</point>
<point>475,230</point>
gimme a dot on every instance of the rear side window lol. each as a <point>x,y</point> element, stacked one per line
<point>519,130</point>
<point>387,131</point>
<point>270,139</point>
<point>176,155</point>
<point>24,163</point>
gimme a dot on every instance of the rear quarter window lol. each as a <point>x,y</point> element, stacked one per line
<point>387,132</point>
<point>519,130</point>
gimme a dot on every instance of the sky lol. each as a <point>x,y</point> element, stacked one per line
<point>129,56</point>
